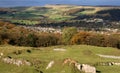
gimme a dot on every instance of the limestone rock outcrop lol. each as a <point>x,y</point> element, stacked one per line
<point>16,61</point>
<point>81,67</point>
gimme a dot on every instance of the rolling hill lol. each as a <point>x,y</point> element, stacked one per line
<point>56,12</point>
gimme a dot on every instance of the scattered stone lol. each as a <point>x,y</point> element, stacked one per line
<point>78,66</point>
<point>36,62</point>
<point>108,63</point>
<point>69,61</point>
<point>87,68</point>
<point>18,52</point>
<point>104,64</point>
<point>27,63</point>
<point>81,67</point>
<point>59,49</point>
<point>1,54</point>
<point>16,61</point>
<point>115,63</point>
<point>50,65</point>
<point>109,56</point>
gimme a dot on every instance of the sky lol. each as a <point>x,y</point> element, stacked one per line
<point>13,3</point>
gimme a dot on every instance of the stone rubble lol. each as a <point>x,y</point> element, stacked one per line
<point>50,65</point>
<point>81,67</point>
<point>59,49</point>
<point>109,56</point>
<point>16,61</point>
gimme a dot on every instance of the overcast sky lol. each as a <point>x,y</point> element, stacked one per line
<point>7,3</point>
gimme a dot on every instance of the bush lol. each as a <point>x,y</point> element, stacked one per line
<point>20,36</point>
<point>94,39</point>
<point>80,38</point>
<point>68,34</point>
<point>29,51</point>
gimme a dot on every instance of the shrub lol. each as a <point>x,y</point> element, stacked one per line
<point>80,38</point>
<point>29,51</point>
<point>68,34</point>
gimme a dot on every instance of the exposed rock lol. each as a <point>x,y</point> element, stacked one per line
<point>88,69</point>
<point>78,66</point>
<point>114,63</point>
<point>108,63</point>
<point>1,54</point>
<point>69,61</point>
<point>50,65</point>
<point>104,64</point>
<point>16,61</point>
<point>85,68</point>
<point>59,49</point>
<point>81,67</point>
<point>109,56</point>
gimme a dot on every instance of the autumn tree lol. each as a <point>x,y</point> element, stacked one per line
<point>112,40</point>
<point>96,40</point>
<point>80,38</point>
<point>68,33</point>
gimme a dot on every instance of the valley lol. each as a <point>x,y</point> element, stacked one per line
<point>85,17</point>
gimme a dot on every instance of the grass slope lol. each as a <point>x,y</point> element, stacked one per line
<point>81,53</point>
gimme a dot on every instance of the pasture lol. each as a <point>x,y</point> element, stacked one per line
<point>40,57</point>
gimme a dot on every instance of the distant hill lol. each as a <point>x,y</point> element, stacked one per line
<point>59,13</point>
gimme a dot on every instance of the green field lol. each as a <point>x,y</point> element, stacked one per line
<point>81,53</point>
<point>49,12</point>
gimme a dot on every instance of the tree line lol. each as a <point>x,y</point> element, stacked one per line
<point>90,38</point>
<point>16,35</point>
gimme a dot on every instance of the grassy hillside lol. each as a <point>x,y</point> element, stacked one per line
<point>43,55</point>
<point>51,12</point>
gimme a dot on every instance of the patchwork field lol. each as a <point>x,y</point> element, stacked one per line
<point>51,12</point>
<point>40,57</point>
